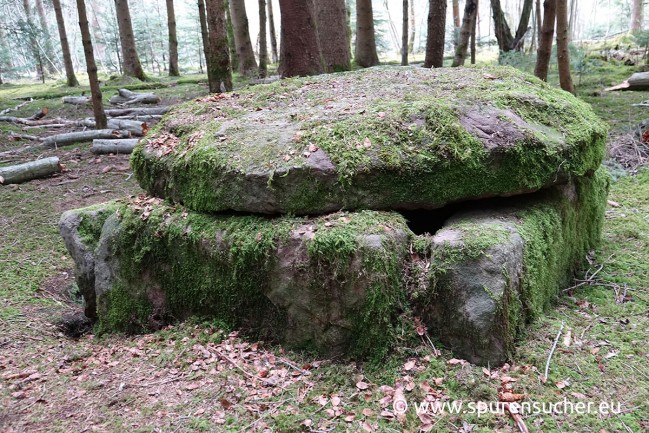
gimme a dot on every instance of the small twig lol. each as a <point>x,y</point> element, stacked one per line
<point>518,419</point>
<point>247,373</point>
<point>160,382</point>
<point>554,346</point>
<point>293,366</point>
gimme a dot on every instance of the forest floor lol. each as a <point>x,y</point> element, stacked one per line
<point>195,376</point>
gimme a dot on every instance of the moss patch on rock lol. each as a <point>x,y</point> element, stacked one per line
<point>381,138</point>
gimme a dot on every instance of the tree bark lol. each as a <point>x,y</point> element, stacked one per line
<point>545,44</point>
<point>365,53</point>
<point>507,42</point>
<point>137,111</point>
<point>473,37</point>
<point>126,97</point>
<point>234,57</point>
<point>91,66</point>
<point>203,22</point>
<point>411,38</point>
<point>173,39</point>
<point>120,146</point>
<point>29,170</point>
<point>47,39</point>
<point>78,137</point>
<point>331,18</point>
<point>273,34</point>
<point>470,11</point>
<point>136,127</point>
<point>563,53</point>
<point>130,60</point>
<point>263,44</point>
<point>636,15</point>
<point>219,73</point>
<point>456,22</point>
<point>300,50</point>
<point>33,42</point>
<point>436,34</point>
<point>404,34</point>
<point>539,23</point>
<point>247,63</point>
<point>71,78</point>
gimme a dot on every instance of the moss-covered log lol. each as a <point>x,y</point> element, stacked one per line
<point>382,138</point>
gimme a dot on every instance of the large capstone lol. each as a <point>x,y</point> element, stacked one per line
<point>380,138</point>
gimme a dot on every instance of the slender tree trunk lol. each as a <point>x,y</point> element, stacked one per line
<point>71,79</point>
<point>331,18</point>
<point>545,45</point>
<point>539,23</point>
<point>365,53</point>
<point>203,23</point>
<point>173,39</point>
<point>47,39</point>
<point>470,11</point>
<point>300,54</point>
<point>563,53</point>
<point>411,38</point>
<point>131,62</point>
<point>263,45</point>
<point>91,66</point>
<point>436,33</point>
<point>473,29</point>
<point>234,57</point>
<point>523,24</point>
<point>219,73</point>
<point>456,22</point>
<point>507,42</point>
<point>404,34</point>
<point>273,34</point>
<point>636,15</point>
<point>247,63</point>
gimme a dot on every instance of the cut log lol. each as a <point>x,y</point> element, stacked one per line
<point>126,97</point>
<point>76,100</point>
<point>77,137</point>
<point>123,146</point>
<point>29,170</point>
<point>150,118</point>
<point>143,111</point>
<point>135,127</point>
<point>34,122</point>
<point>637,81</point>
<point>39,114</point>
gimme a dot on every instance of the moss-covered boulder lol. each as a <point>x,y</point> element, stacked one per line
<point>489,272</point>
<point>380,138</point>
<point>333,284</point>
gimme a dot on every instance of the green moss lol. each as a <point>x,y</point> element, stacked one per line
<point>92,221</point>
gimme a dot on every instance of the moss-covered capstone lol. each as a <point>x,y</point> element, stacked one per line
<point>380,138</point>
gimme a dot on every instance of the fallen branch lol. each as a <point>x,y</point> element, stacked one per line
<point>76,100</point>
<point>554,347</point>
<point>17,107</point>
<point>518,419</point>
<point>104,146</point>
<point>135,127</point>
<point>29,170</point>
<point>637,81</point>
<point>126,97</point>
<point>77,137</point>
<point>139,111</point>
<point>14,136</point>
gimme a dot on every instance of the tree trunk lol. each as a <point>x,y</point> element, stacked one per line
<point>636,15</point>
<point>273,35</point>
<point>47,39</point>
<point>411,38</point>
<point>219,74</point>
<point>545,44</point>
<point>234,57</point>
<point>203,22</point>
<point>91,66</point>
<point>29,170</point>
<point>436,33</point>
<point>539,23</point>
<point>470,11</point>
<point>130,59</point>
<point>300,53</point>
<point>247,63</point>
<point>563,53</point>
<point>331,18</point>
<point>33,42</point>
<point>173,39</point>
<point>365,53</point>
<point>507,42</point>
<point>456,22</point>
<point>101,146</point>
<point>71,78</point>
<point>473,37</point>
<point>263,44</point>
<point>523,24</point>
<point>79,137</point>
<point>404,34</point>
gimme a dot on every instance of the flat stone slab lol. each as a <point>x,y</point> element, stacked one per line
<point>340,283</point>
<point>380,138</point>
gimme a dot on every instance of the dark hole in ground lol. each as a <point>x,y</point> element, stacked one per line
<point>74,325</point>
